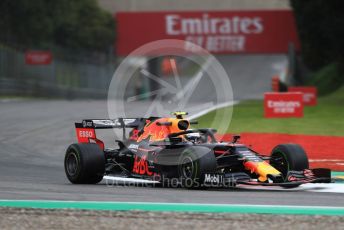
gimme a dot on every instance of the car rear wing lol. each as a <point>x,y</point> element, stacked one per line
<point>85,130</point>
<point>110,123</point>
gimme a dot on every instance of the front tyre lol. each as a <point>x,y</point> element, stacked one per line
<point>194,163</point>
<point>289,157</point>
<point>84,163</point>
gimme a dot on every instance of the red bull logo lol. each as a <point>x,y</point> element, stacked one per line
<point>159,129</point>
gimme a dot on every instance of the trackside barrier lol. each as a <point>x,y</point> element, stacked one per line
<point>55,73</point>
<point>309,94</point>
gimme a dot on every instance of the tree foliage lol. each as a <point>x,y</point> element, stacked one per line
<point>68,23</point>
<point>321,29</point>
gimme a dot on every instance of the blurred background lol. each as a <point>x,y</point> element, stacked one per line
<point>70,49</point>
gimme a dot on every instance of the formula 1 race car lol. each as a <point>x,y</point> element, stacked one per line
<point>162,150</point>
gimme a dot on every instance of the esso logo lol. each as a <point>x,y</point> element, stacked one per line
<point>85,133</point>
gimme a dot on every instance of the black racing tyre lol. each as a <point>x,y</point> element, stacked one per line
<point>84,163</point>
<point>193,164</point>
<point>289,157</point>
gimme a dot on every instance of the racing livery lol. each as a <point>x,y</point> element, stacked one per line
<point>162,150</point>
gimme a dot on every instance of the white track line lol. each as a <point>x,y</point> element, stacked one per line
<point>218,106</point>
<point>317,187</point>
<point>130,180</point>
<point>325,160</point>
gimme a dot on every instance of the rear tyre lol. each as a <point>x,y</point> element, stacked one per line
<point>289,157</point>
<point>84,163</point>
<point>194,163</point>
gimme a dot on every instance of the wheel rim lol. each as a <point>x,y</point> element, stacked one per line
<point>280,162</point>
<point>72,164</point>
<point>187,167</point>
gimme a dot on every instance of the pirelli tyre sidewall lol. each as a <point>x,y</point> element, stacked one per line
<point>193,164</point>
<point>84,163</point>
<point>289,157</point>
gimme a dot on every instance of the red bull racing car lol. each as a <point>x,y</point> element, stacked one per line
<point>167,150</point>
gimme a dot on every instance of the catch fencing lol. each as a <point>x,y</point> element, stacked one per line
<point>71,74</point>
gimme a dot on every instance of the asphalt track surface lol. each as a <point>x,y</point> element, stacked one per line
<point>34,135</point>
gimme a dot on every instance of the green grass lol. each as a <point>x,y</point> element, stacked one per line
<point>327,118</point>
